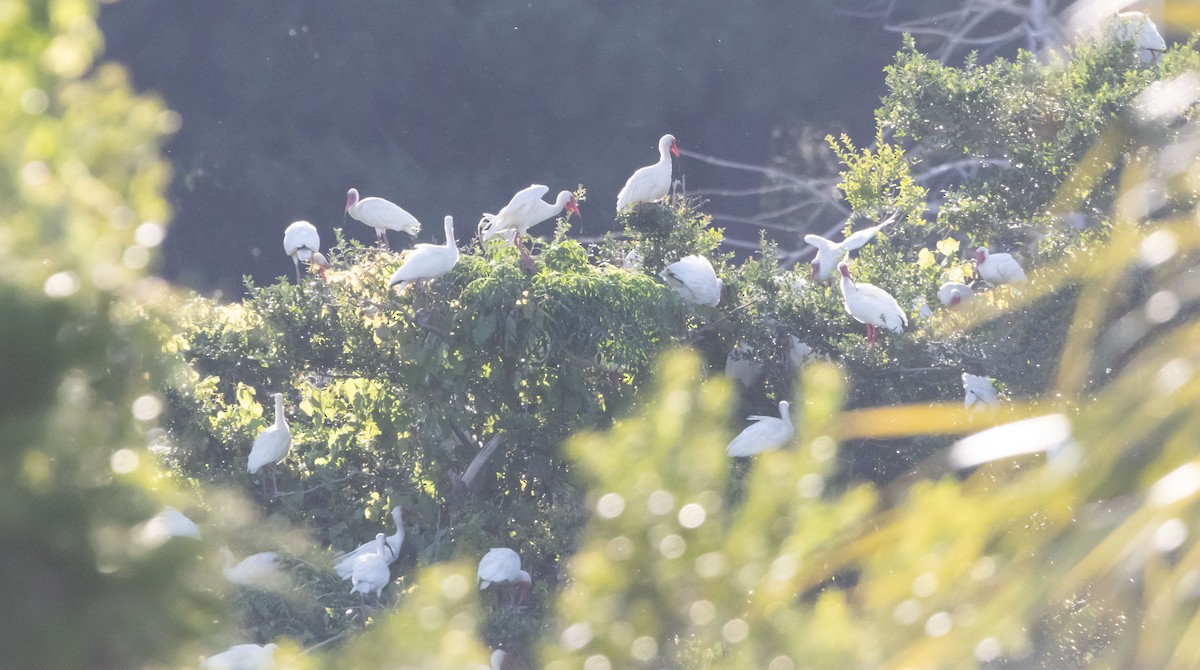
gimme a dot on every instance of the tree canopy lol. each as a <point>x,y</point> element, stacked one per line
<point>576,411</point>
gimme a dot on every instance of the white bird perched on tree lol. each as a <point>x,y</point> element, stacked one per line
<point>503,566</point>
<point>800,353</point>
<point>652,182</point>
<point>997,269</point>
<point>1138,28</point>
<point>830,253</point>
<point>767,433</point>
<point>382,215</point>
<point>694,279</point>
<point>428,261</point>
<point>302,242</point>
<point>259,570</point>
<point>344,564</point>
<point>740,365</point>
<point>979,392</point>
<point>921,307</point>
<point>272,445</point>
<point>953,293</point>
<point>871,305</point>
<point>372,570</point>
<point>242,657</point>
<point>167,524</point>
<point>524,211</point>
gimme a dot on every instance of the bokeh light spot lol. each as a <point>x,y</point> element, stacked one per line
<point>610,505</point>
<point>691,515</point>
<point>735,630</point>
<point>124,461</point>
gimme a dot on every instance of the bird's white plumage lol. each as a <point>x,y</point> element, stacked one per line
<point>632,261</point>
<point>167,524</point>
<point>830,253</point>
<point>300,240</point>
<point>921,307</point>
<point>979,392</point>
<point>652,182</point>
<point>498,659</point>
<point>259,570</point>
<point>765,434</point>
<point>525,210</point>
<point>694,279</point>
<point>344,564</point>
<point>740,365</point>
<point>501,565</point>
<point>372,570</point>
<point>272,444</point>
<point>1139,28</point>
<point>800,353</point>
<point>871,305</point>
<point>997,269</point>
<point>428,261</point>
<point>952,290</point>
<point>380,214</point>
<point>242,657</point>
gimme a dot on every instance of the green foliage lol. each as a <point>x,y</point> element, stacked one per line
<point>856,545</point>
<point>84,585</point>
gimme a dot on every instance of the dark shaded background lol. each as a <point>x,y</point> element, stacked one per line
<point>451,106</point>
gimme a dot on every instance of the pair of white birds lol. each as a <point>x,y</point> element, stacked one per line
<point>768,433</point>
<point>527,209</point>
<point>302,242</point>
<point>368,567</point>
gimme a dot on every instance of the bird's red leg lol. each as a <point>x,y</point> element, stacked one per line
<point>870,333</point>
<point>297,262</point>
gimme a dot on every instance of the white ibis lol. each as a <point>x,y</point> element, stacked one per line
<point>740,365</point>
<point>371,570</point>
<point>921,307</point>
<point>694,279</point>
<point>382,215</point>
<point>167,524</point>
<point>242,657</point>
<point>978,392</point>
<point>503,566</point>
<point>767,433</point>
<point>344,564</point>
<point>272,445</point>
<point>800,353</point>
<point>525,210</point>
<point>1138,28</point>
<point>997,269</point>
<point>259,570</point>
<point>652,182</point>
<point>830,253</point>
<point>871,305</point>
<point>953,293</point>
<point>633,260</point>
<point>428,261</point>
<point>499,660</point>
<point>302,242</point>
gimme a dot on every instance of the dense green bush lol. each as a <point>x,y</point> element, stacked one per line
<point>861,545</point>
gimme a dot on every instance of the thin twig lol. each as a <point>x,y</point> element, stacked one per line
<point>322,643</point>
<point>318,486</point>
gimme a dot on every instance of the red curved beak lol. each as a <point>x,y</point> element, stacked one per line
<point>573,207</point>
<point>675,149</point>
